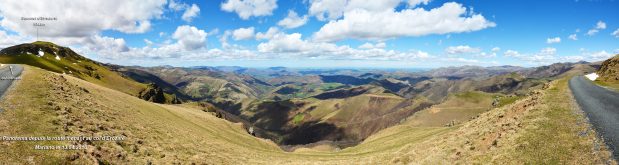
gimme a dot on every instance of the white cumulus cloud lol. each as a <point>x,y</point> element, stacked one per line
<point>268,34</point>
<point>364,24</point>
<point>496,49</point>
<point>293,20</point>
<point>176,6</point>
<point>592,32</point>
<point>573,37</point>
<point>333,9</point>
<point>189,37</point>
<point>553,40</point>
<point>413,3</point>
<point>293,45</point>
<point>598,56</point>
<point>191,13</point>
<point>85,18</point>
<point>250,8</point>
<point>462,49</point>
<point>7,40</point>
<point>598,26</point>
<point>615,33</point>
<point>512,53</point>
<point>243,33</point>
<point>106,45</point>
<point>368,45</point>
<point>285,43</point>
<point>327,9</point>
<point>544,57</point>
<point>190,42</point>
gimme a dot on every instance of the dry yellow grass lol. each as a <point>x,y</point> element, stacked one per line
<point>44,103</point>
<point>543,128</point>
<point>458,108</point>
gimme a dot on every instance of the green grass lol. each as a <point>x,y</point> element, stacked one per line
<point>77,68</point>
<point>478,97</point>
<point>33,60</point>
<point>473,96</point>
<point>609,85</point>
<point>45,43</point>
<point>298,118</point>
<point>556,139</point>
<point>508,100</point>
<point>329,86</point>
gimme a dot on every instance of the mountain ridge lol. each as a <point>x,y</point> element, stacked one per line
<point>63,60</point>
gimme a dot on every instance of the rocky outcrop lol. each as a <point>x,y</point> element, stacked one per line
<point>154,93</point>
<point>609,71</point>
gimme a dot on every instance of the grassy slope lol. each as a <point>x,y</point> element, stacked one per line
<point>167,134</point>
<point>77,68</point>
<point>458,108</point>
<point>563,136</point>
<point>609,85</point>
<point>304,91</point>
<point>608,73</point>
<point>170,133</point>
<point>543,128</point>
<point>357,116</point>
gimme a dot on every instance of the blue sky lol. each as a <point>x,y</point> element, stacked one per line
<point>383,34</point>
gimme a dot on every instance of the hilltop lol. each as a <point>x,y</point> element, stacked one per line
<point>51,57</point>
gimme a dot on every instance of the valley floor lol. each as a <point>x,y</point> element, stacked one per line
<point>542,128</point>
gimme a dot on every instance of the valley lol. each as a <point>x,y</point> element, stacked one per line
<point>227,115</point>
<point>309,82</point>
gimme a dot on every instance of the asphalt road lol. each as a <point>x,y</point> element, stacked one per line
<point>602,107</point>
<point>8,74</point>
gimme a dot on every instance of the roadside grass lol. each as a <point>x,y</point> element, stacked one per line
<point>26,115</point>
<point>559,133</point>
<point>608,85</point>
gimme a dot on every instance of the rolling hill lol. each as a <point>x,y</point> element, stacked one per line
<point>344,120</point>
<point>155,133</point>
<point>342,108</point>
<point>297,116</point>
<point>52,57</point>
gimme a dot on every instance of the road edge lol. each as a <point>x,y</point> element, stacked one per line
<point>599,142</point>
<point>16,81</point>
